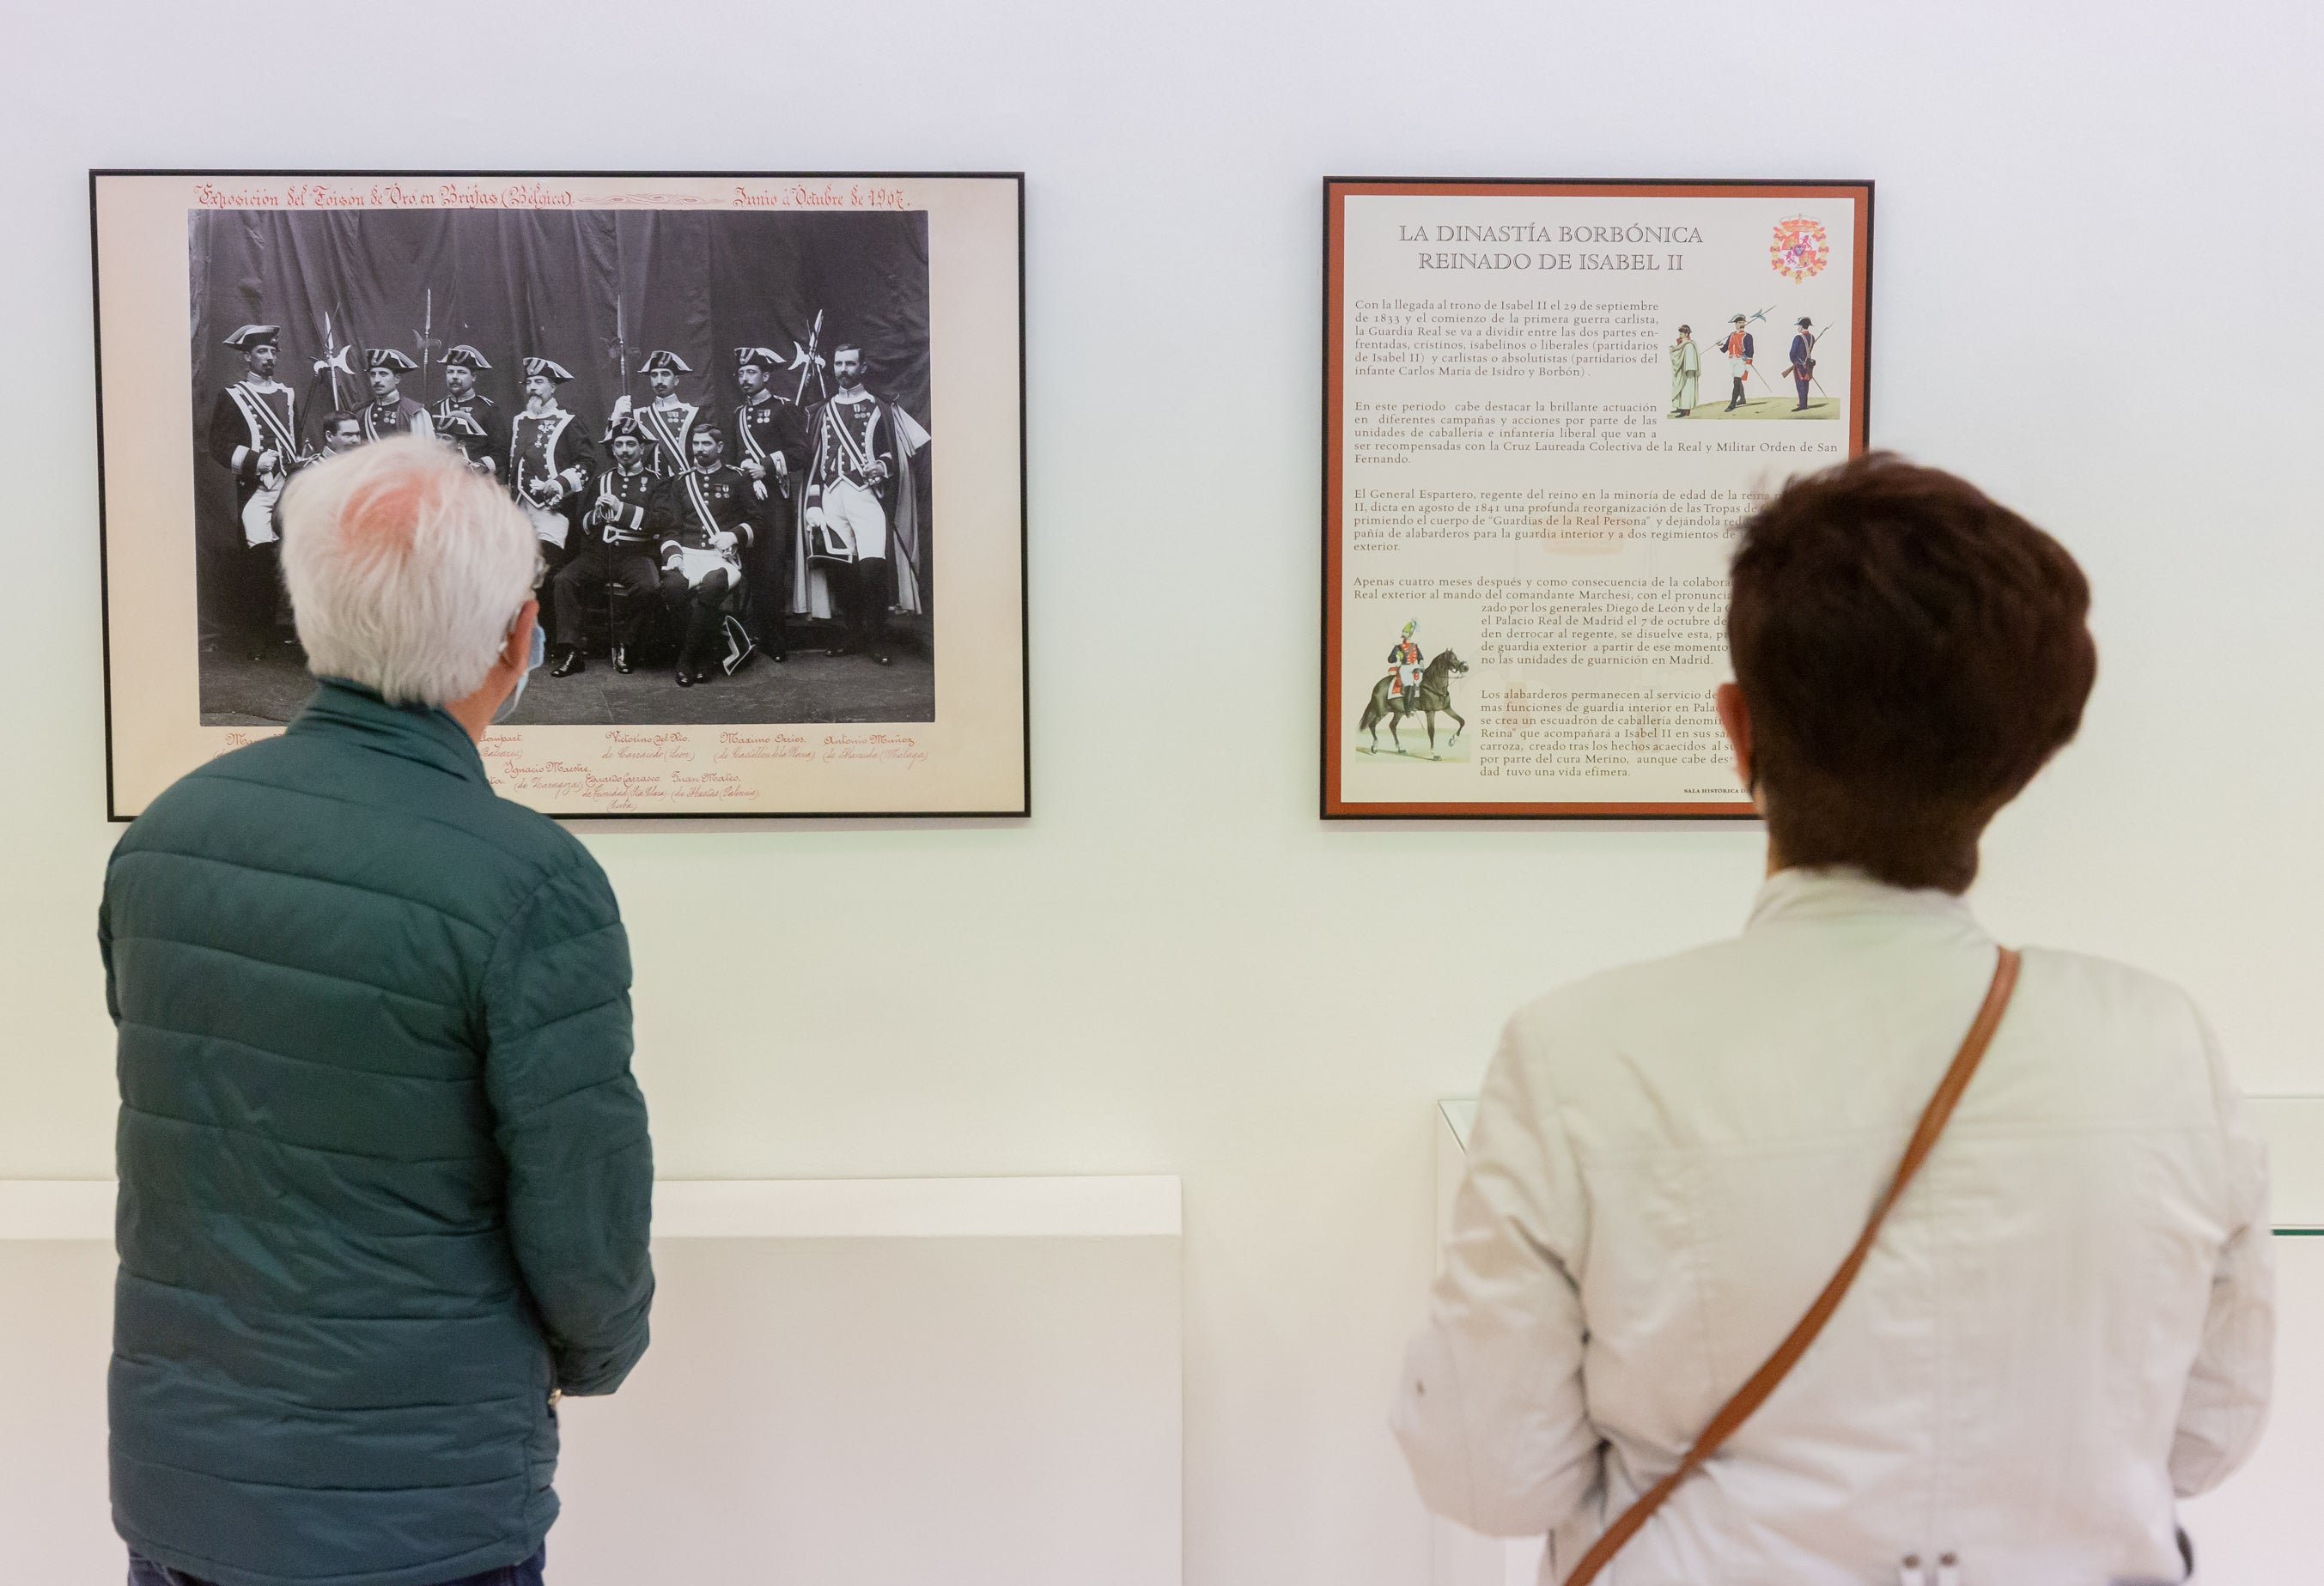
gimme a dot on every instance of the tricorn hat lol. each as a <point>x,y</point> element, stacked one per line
<point>663,358</point>
<point>255,336</point>
<point>465,356</point>
<point>1805,320</point>
<point>624,423</point>
<point>548,366</point>
<point>1738,319</point>
<point>389,358</point>
<point>764,357</point>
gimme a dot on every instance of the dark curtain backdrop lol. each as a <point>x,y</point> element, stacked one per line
<point>545,283</point>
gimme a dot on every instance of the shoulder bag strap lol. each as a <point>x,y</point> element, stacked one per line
<point>1765,1380</point>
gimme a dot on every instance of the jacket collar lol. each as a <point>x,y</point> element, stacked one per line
<point>425,734</point>
<point>1842,891</point>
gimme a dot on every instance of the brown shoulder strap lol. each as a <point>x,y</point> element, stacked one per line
<point>1765,1380</point>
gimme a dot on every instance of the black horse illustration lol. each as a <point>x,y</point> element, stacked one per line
<point>1434,693</point>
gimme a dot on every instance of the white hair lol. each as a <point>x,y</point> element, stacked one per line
<point>406,569</point>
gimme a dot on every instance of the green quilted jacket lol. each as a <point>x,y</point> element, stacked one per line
<point>384,1176</point>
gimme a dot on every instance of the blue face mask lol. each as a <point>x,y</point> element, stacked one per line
<point>540,654</point>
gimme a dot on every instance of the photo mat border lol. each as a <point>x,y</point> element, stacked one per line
<point>1024,809</point>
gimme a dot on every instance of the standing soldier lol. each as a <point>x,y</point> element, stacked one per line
<point>667,422</point>
<point>1802,355</point>
<point>466,417</point>
<point>391,411</point>
<point>253,435</point>
<point>549,460</point>
<point>859,451</point>
<point>616,555</point>
<point>701,518</point>
<point>771,446</point>
<point>1687,373</point>
<point>1739,351</point>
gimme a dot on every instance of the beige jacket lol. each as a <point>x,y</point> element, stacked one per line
<point>2067,1324</point>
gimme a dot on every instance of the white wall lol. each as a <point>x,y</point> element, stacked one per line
<point>2094,291</point>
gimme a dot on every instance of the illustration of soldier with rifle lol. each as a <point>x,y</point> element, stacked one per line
<point>1803,361</point>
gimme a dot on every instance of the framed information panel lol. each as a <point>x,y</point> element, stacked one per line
<point>1547,405</point>
<point>769,430</point>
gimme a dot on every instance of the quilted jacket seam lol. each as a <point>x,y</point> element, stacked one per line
<point>307,879</point>
<point>323,974</point>
<point>465,1157</point>
<point>207,1036</point>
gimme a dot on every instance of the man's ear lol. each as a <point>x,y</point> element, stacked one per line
<point>518,650</point>
<point>1735,715</point>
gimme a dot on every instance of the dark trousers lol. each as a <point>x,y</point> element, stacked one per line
<point>258,589</point>
<point>697,608</point>
<point>1804,391</point>
<point>1736,400</point>
<point>767,570</point>
<point>867,600</point>
<point>630,573</point>
<point>146,1572</point>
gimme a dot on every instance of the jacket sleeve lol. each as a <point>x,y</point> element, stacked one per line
<point>105,949</point>
<point>229,439</point>
<point>2225,1407</point>
<point>572,1125</point>
<point>1491,1412</point>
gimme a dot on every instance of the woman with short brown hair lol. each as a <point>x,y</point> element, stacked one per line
<point>2064,1324</point>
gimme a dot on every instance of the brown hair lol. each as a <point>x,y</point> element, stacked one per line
<point>1912,653</point>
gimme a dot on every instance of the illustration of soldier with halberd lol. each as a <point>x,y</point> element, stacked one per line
<point>254,436</point>
<point>1413,688</point>
<point>1740,347</point>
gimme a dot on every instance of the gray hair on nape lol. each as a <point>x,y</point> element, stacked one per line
<point>406,569</point>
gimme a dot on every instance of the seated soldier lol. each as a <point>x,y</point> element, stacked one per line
<point>702,520</point>
<point>616,555</point>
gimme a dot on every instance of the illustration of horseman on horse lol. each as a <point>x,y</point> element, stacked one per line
<point>1412,688</point>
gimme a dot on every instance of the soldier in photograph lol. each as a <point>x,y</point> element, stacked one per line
<point>254,436</point>
<point>392,413</point>
<point>550,462</point>
<point>466,417</point>
<point>342,432</point>
<point>769,448</point>
<point>859,448</point>
<point>668,421</point>
<point>701,519</point>
<point>617,557</point>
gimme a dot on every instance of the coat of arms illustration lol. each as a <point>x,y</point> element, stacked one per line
<point>1801,248</point>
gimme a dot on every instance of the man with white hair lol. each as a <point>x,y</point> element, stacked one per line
<point>384,1176</point>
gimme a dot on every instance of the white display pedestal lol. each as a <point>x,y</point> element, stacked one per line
<point>852,1382</point>
<point>2251,1531</point>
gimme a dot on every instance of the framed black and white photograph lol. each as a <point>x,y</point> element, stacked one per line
<point>767,429</point>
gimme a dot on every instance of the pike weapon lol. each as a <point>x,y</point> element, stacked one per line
<point>335,360</point>
<point>428,343</point>
<point>806,361</point>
